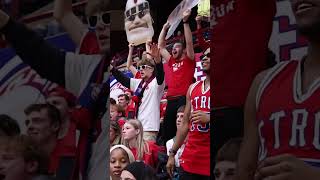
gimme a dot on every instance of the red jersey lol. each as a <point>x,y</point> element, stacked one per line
<point>288,121</point>
<point>131,108</point>
<point>242,29</point>
<point>196,155</point>
<point>151,157</point>
<point>68,147</point>
<point>181,72</point>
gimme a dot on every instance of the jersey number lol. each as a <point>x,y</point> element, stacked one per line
<point>200,127</point>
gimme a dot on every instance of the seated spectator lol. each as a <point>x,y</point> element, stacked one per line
<point>117,114</point>
<point>138,171</point>
<point>132,137</point>
<point>226,160</point>
<point>115,133</point>
<point>169,144</point>
<point>120,157</point>
<point>21,158</point>
<point>131,106</point>
<point>43,124</point>
<point>123,101</point>
<point>72,119</point>
<point>8,126</point>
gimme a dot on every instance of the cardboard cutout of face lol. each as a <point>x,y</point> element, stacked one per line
<point>138,22</point>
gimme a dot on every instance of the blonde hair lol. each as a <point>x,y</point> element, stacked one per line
<point>141,145</point>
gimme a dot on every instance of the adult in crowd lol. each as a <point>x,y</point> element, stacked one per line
<point>195,159</point>
<point>43,124</point>
<point>281,139</point>
<point>181,66</point>
<point>72,119</point>
<point>22,158</point>
<point>98,17</point>
<point>239,55</point>
<point>143,150</point>
<point>148,91</point>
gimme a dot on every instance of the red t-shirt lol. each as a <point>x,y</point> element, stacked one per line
<point>196,154</point>
<point>181,76</point>
<point>67,146</point>
<point>150,158</point>
<point>239,42</point>
<point>163,107</point>
<point>130,108</point>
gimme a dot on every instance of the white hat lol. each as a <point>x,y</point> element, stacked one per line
<point>129,152</point>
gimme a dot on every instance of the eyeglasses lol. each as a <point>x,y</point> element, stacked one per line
<point>140,10</point>
<point>205,56</point>
<point>103,17</point>
<point>143,67</point>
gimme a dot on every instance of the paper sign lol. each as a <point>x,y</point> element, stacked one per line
<point>177,14</point>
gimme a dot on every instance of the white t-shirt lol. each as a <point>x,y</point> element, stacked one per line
<point>78,71</point>
<point>149,111</point>
<point>169,145</point>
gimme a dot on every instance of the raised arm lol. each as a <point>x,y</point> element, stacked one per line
<point>182,133</point>
<point>162,42</point>
<point>248,156</point>
<point>188,34</point>
<point>46,60</point>
<point>155,54</point>
<point>129,60</point>
<point>124,80</point>
<point>68,20</point>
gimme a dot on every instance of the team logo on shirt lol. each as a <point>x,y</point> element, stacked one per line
<point>176,66</point>
<point>298,120</point>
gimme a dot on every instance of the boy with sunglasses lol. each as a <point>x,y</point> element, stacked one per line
<point>148,92</point>
<point>98,17</point>
<point>76,73</point>
<point>181,67</point>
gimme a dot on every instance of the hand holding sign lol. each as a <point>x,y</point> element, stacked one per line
<point>186,15</point>
<point>177,14</point>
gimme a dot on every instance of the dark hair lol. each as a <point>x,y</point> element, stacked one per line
<point>24,146</point>
<point>125,96</point>
<point>181,109</point>
<point>112,101</point>
<point>141,171</point>
<point>8,125</point>
<point>52,112</point>
<point>230,150</point>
